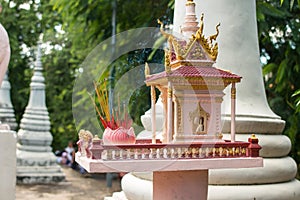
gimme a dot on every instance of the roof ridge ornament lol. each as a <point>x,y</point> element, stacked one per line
<point>147,70</point>
<point>190,28</point>
<point>208,43</point>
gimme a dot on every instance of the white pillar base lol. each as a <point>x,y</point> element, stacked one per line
<point>137,188</point>
<point>254,124</point>
<point>275,149</point>
<point>8,167</point>
<point>278,191</point>
<point>285,169</point>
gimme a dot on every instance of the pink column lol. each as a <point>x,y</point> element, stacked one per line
<point>170,113</point>
<point>170,185</point>
<point>233,97</point>
<point>153,119</point>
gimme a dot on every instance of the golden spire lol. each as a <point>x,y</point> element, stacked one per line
<point>189,2</point>
<point>190,29</point>
<point>200,30</point>
<point>208,43</point>
<point>147,70</point>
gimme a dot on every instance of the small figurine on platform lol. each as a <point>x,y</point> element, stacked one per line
<point>84,142</point>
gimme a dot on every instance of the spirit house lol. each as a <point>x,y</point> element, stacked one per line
<point>192,91</point>
<point>191,87</point>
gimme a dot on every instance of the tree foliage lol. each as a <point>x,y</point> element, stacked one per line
<point>25,21</point>
<point>23,27</point>
<point>279,39</point>
<point>72,28</point>
<point>88,23</point>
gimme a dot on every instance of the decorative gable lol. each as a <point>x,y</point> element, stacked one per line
<point>198,47</point>
<point>196,52</point>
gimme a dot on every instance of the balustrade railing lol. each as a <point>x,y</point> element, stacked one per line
<point>145,150</point>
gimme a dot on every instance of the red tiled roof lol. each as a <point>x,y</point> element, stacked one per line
<point>192,71</point>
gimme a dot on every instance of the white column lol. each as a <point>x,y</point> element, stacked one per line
<point>239,53</point>
<point>170,113</point>
<point>233,97</point>
<point>176,121</point>
<point>153,113</point>
<point>238,31</point>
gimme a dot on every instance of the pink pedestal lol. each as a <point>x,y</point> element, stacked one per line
<point>180,171</point>
<point>172,179</point>
<point>171,185</point>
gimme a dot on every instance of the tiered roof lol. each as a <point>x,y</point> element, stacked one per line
<point>192,58</point>
<point>196,72</point>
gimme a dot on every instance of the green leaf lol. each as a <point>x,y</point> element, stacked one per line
<point>281,71</point>
<point>296,93</point>
<point>291,4</point>
<point>171,4</point>
<point>158,43</point>
<point>297,68</point>
<point>269,9</point>
<point>260,16</point>
<point>269,68</point>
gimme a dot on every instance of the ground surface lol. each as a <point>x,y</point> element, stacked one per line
<point>75,187</point>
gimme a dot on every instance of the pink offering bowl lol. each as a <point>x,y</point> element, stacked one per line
<point>119,136</point>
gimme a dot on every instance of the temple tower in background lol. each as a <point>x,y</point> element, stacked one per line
<point>7,114</point>
<point>36,162</point>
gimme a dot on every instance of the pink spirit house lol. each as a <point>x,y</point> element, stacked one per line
<point>192,93</point>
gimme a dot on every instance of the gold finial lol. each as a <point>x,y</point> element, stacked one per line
<point>96,137</point>
<point>161,24</point>
<point>147,70</point>
<point>199,33</point>
<point>162,28</point>
<point>214,37</point>
<point>189,2</point>
<point>201,24</point>
<point>208,43</point>
<point>253,136</point>
<point>219,135</point>
<point>167,35</point>
<point>167,61</point>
